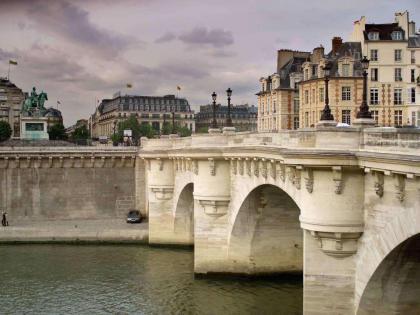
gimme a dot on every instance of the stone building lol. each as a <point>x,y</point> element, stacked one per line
<point>345,85</point>
<point>244,117</point>
<point>394,69</point>
<point>11,98</point>
<point>278,98</point>
<point>79,123</point>
<point>153,110</point>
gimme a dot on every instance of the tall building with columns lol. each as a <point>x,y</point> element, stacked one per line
<point>153,110</point>
<point>394,69</point>
<point>345,86</point>
<point>278,98</point>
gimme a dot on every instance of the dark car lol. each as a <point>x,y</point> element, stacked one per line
<point>134,216</point>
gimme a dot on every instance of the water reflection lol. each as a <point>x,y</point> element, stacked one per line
<point>47,279</point>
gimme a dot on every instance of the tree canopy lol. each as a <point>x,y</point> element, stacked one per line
<point>138,130</point>
<point>57,132</point>
<point>5,131</point>
<point>80,133</point>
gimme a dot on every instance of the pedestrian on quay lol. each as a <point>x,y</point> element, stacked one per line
<point>4,221</point>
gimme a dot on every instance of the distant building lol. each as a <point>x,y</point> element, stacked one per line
<point>79,123</point>
<point>278,98</point>
<point>345,86</point>
<point>153,110</point>
<point>244,117</point>
<point>394,69</point>
<point>11,98</point>
<point>54,116</point>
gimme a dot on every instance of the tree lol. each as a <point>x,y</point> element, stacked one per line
<point>57,132</point>
<point>184,131</point>
<point>181,131</point>
<point>5,131</point>
<point>166,128</point>
<point>80,133</point>
<point>202,130</point>
<point>137,130</point>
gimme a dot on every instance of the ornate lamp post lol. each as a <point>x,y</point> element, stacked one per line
<point>214,122</point>
<point>229,119</point>
<point>364,108</point>
<point>326,112</point>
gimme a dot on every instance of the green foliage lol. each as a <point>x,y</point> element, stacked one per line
<point>57,132</point>
<point>184,131</point>
<point>166,128</point>
<point>138,130</point>
<point>202,130</point>
<point>80,133</point>
<point>5,131</point>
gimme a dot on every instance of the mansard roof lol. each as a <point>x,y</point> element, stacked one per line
<point>384,30</point>
<point>414,41</point>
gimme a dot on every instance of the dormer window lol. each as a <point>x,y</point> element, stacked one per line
<point>373,35</point>
<point>396,35</point>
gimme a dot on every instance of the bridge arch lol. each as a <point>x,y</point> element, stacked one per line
<point>389,268</point>
<point>263,218</point>
<point>184,214</point>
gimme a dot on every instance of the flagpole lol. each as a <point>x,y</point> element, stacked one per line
<point>8,73</point>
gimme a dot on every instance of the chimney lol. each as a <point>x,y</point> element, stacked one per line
<point>412,28</point>
<point>336,44</point>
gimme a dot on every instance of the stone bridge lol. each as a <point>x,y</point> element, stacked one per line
<point>341,205</point>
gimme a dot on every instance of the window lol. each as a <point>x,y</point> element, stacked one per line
<point>397,35</point>
<point>374,96</point>
<point>397,74</point>
<point>398,118</point>
<point>345,93</point>
<point>314,71</point>
<point>295,122</point>
<point>397,54</point>
<point>413,75</point>
<point>306,74</point>
<point>413,56</point>
<point>274,106</point>
<point>345,70</point>
<point>321,94</point>
<point>296,105</point>
<point>374,74</point>
<point>346,116</point>
<point>306,97</point>
<point>412,95</point>
<point>373,35</point>
<point>375,116</point>
<point>306,119</point>
<point>313,96</point>
<point>397,96</point>
<point>373,55</point>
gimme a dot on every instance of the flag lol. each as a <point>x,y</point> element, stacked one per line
<point>178,88</point>
<point>129,85</point>
<point>58,102</point>
<point>12,62</point>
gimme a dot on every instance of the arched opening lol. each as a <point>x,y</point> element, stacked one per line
<point>184,215</point>
<point>394,287</point>
<point>266,236</point>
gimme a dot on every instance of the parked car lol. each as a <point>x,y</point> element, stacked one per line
<point>134,216</point>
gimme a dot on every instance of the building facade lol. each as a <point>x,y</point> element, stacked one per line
<point>394,53</point>
<point>345,86</point>
<point>153,110</point>
<point>278,98</point>
<point>244,117</point>
<point>11,98</point>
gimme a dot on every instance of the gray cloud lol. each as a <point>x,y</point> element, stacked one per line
<point>202,36</point>
<point>167,37</point>
<point>6,55</point>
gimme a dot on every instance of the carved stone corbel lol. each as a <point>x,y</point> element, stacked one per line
<point>297,178</point>
<point>28,162</point>
<point>256,167</point>
<point>92,161</point>
<point>38,162</point>
<point>189,164</point>
<point>102,163</point>
<point>234,166</point>
<point>337,244</point>
<point>379,183</point>
<point>263,168</point>
<point>291,174</point>
<point>162,193</point>
<point>399,183</point>
<point>50,161</point>
<point>133,161</point>
<point>6,162</point>
<point>212,166</point>
<point>17,162</point>
<point>195,167</point>
<point>281,171</point>
<point>82,161</point>
<point>273,169</point>
<point>338,179</point>
<point>214,208</point>
<point>122,162</point>
<point>309,180</point>
<point>113,162</point>
<point>160,163</point>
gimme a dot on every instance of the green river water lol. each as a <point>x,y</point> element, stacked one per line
<point>70,279</point>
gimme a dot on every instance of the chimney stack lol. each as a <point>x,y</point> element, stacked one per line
<point>336,44</point>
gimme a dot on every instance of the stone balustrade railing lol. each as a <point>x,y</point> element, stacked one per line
<point>349,139</point>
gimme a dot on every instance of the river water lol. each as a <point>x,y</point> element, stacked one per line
<point>69,279</point>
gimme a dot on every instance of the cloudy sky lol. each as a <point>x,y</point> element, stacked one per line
<point>79,51</point>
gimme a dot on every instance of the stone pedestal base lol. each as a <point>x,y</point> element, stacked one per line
<point>229,130</point>
<point>364,122</point>
<point>326,123</point>
<point>33,128</point>
<point>214,130</point>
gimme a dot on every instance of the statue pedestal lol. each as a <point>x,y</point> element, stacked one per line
<point>326,123</point>
<point>33,128</point>
<point>364,122</point>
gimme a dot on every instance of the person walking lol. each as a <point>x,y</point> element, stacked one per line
<point>4,221</point>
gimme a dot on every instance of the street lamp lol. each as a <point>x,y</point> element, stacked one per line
<point>364,108</point>
<point>214,122</point>
<point>326,112</point>
<point>229,119</point>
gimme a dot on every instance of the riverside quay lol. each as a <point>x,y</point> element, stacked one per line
<point>340,205</point>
